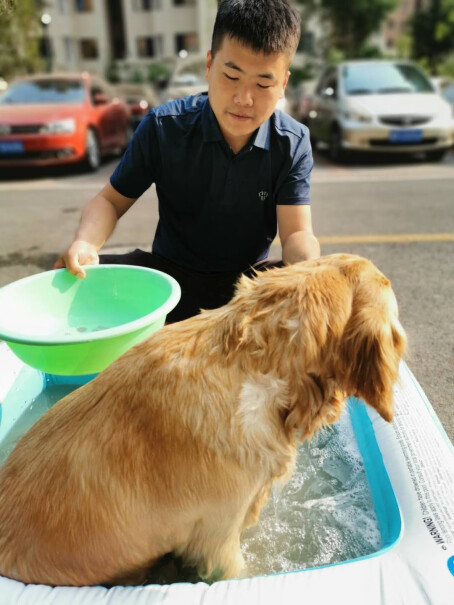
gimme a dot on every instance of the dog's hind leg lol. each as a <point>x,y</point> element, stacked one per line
<point>214,551</point>
<point>226,562</point>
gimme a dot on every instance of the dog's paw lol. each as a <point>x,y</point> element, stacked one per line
<point>230,565</point>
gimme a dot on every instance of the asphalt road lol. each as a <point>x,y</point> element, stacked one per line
<point>400,214</point>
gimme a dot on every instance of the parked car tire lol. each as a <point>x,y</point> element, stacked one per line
<point>336,152</point>
<point>92,151</point>
<point>436,156</point>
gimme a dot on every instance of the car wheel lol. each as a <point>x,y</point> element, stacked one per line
<point>336,151</point>
<point>436,156</point>
<point>92,150</point>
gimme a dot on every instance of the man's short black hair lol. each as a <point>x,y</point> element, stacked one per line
<point>268,26</point>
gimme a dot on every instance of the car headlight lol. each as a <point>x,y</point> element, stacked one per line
<point>60,127</point>
<point>356,116</point>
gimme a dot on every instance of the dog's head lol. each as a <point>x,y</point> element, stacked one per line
<point>373,341</point>
<point>330,326</point>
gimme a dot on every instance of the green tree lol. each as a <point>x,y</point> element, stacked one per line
<point>433,32</point>
<point>350,23</point>
<point>20,32</point>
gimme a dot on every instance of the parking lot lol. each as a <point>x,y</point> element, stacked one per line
<point>399,213</point>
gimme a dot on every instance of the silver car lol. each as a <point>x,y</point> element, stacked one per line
<point>379,106</point>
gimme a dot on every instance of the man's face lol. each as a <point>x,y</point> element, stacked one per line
<point>244,87</point>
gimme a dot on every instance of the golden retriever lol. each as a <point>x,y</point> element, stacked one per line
<point>175,446</point>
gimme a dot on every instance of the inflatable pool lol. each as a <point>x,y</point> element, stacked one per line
<point>410,471</point>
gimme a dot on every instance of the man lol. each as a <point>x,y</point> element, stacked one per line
<point>228,169</point>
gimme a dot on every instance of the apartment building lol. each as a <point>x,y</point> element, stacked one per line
<point>396,25</point>
<point>92,34</point>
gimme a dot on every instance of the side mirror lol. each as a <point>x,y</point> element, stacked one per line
<point>100,98</point>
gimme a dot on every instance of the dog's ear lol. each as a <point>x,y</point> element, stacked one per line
<point>373,345</point>
<point>316,402</point>
<point>286,316</point>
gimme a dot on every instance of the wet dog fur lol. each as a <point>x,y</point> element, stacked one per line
<point>175,446</point>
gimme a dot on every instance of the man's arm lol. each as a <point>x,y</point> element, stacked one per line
<point>296,234</point>
<point>97,223</point>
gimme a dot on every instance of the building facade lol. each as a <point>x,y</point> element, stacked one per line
<point>93,34</point>
<point>396,26</point>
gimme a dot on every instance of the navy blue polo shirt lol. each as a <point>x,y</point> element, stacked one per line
<point>217,210</point>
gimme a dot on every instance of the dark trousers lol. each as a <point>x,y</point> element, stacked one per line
<point>198,290</point>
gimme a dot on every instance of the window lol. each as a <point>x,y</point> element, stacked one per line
<point>384,78</point>
<point>188,42</point>
<point>89,48</point>
<point>329,77</point>
<point>149,46</point>
<point>44,91</point>
<point>330,89</point>
<point>84,6</point>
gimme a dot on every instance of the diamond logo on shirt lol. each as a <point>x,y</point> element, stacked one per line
<point>263,195</point>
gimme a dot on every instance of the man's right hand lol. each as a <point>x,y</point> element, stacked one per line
<point>98,220</point>
<point>80,253</point>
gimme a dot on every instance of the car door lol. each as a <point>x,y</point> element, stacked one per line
<point>325,105</point>
<point>110,115</point>
<point>118,116</point>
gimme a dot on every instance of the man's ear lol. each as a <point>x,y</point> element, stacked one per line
<point>208,63</point>
<point>285,81</point>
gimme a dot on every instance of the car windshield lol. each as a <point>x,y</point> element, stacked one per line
<point>448,93</point>
<point>384,78</point>
<point>193,73</point>
<point>44,91</point>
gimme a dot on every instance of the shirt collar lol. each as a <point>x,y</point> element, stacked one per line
<point>212,132</point>
<point>262,137</point>
<point>210,126</point>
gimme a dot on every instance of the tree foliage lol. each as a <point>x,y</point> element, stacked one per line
<point>433,32</point>
<point>350,23</point>
<point>353,22</point>
<point>20,32</point>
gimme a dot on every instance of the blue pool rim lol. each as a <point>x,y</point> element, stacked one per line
<point>387,510</point>
<point>389,518</point>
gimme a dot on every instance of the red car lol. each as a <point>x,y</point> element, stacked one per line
<point>51,119</point>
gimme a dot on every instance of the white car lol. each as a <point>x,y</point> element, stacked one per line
<point>188,78</point>
<point>379,106</point>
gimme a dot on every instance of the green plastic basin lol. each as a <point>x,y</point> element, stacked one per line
<point>60,324</point>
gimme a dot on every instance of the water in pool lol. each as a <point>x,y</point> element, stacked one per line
<point>323,515</point>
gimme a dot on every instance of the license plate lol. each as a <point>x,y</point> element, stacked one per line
<point>405,136</point>
<point>11,147</point>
